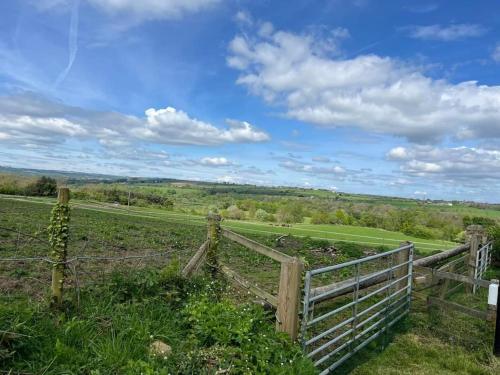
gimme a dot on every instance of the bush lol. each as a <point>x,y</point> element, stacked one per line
<point>43,187</point>
<point>233,212</point>
<point>320,217</point>
<point>292,212</point>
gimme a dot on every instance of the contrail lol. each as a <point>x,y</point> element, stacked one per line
<point>72,43</point>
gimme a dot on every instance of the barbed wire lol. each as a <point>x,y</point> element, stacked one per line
<point>88,257</point>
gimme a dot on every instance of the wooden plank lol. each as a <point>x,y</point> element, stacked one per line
<point>476,233</point>
<point>212,261</point>
<point>255,246</point>
<point>427,261</point>
<point>194,263</point>
<point>287,314</point>
<point>240,281</point>
<point>402,257</point>
<point>452,276</point>
<point>448,305</point>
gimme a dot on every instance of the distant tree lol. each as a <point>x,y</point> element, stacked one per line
<point>43,187</point>
<point>486,222</point>
<point>320,217</point>
<point>233,212</point>
<point>291,212</point>
<point>261,215</point>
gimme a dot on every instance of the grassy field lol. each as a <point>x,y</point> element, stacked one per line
<point>120,309</point>
<point>334,233</point>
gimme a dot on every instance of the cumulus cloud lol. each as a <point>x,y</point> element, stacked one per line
<point>454,163</point>
<point>374,93</point>
<point>446,33</point>
<point>215,162</point>
<point>171,126</point>
<point>28,118</point>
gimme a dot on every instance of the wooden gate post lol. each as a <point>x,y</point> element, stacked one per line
<point>402,257</point>
<point>287,314</point>
<point>475,232</point>
<point>59,243</point>
<point>213,237</point>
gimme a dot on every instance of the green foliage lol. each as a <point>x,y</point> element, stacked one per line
<point>112,335</point>
<point>320,217</point>
<point>58,231</point>
<point>291,212</point>
<point>494,234</point>
<point>250,343</point>
<point>43,187</point>
<point>486,222</point>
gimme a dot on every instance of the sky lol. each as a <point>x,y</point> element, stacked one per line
<point>389,97</point>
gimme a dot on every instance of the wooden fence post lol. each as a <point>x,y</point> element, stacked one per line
<point>213,237</point>
<point>475,232</point>
<point>402,257</point>
<point>287,314</point>
<point>59,242</point>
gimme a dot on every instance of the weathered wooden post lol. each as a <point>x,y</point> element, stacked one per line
<point>213,237</point>
<point>58,238</point>
<point>475,233</point>
<point>287,314</point>
<point>402,256</point>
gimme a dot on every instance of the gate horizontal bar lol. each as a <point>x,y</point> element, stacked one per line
<point>342,308</point>
<point>361,280</point>
<point>356,261</point>
<point>359,347</point>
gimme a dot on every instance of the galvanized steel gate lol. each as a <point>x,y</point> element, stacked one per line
<point>357,310</point>
<point>483,261</point>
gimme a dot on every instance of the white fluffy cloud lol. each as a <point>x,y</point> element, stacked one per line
<point>446,33</point>
<point>455,163</point>
<point>32,119</point>
<point>374,93</point>
<point>215,162</point>
<point>170,126</point>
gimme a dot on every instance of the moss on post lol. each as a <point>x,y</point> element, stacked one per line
<point>214,237</point>
<point>58,238</point>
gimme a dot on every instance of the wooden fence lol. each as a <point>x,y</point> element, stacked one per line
<point>286,302</point>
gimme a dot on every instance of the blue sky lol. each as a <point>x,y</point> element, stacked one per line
<point>394,97</point>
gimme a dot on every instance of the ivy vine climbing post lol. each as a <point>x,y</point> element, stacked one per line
<point>58,238</point>
<point>213,237</point>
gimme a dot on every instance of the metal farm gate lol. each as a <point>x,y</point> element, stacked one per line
<point>483,261</point>
<point>367,296</point>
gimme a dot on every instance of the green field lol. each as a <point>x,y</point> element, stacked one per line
<point>355,234</point>
<point>108,325</point>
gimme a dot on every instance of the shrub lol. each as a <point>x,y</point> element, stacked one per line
<point>43,187</point>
